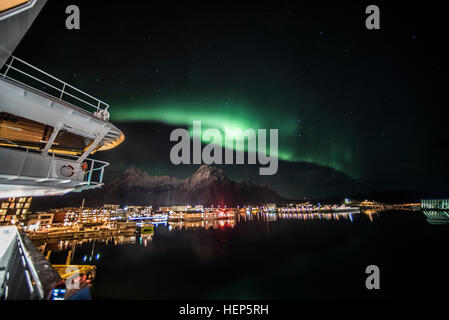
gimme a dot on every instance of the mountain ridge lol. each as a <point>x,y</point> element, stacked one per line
<point>209,185</point>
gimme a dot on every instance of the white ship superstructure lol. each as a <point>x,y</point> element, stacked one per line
<point>48,128</point>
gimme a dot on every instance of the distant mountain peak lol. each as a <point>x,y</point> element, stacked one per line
<point>209,171</point>
<point>133,172</point>
<point>205,175</point>
<point>136,177</point>
<point>209,185</point>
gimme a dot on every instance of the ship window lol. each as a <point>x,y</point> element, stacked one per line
<point>70,142</point>
<point>18,131</point>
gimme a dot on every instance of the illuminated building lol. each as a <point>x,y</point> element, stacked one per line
<point>173,209</point>
<point>14,210</point>
<point>81,216</point>
<point>114,207</point>
<point>39,220</point>
<point>435,204</point>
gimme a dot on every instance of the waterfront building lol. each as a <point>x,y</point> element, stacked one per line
<point>14,210</point>
<point>173,209</point>
<point>435,204</point>
<point>83,216</point>
<point>39,220</point>
<point>112,207</point>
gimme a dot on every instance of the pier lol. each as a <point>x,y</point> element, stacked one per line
<point>82,234</point>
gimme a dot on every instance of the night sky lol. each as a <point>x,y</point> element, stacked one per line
<point>360,112</point>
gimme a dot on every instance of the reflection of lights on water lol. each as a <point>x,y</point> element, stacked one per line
<point>156,223</point>
<point>312,216</point>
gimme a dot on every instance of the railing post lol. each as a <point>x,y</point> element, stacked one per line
<point>23,164</point>
<point>101,175</point>
<point>90,172</point>
<point>62,92</point>
<point>9,65</point>
<point>51,165</point>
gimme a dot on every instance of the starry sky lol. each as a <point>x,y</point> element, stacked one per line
<point>360,112</point>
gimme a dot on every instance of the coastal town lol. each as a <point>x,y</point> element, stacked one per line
<point>113,219</point>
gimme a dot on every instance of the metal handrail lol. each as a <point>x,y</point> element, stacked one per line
<point>31,275</point>
<point>22,281</point>
<point>99,104</point>
<point>10,142</point>
<point>87,174</point>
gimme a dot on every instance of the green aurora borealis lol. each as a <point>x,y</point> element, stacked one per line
<point>224,115</point>
<point>357,111</point>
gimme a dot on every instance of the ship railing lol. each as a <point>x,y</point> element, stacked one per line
<point>25,74</point>
<point>92,175</point>
<point>18,276</point>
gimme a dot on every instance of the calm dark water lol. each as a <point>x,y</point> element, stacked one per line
<point>279,259</point>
